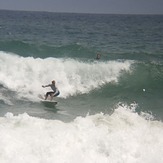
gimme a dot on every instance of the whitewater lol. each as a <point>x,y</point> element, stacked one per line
<point>123,136</point>
<point>26,75</point>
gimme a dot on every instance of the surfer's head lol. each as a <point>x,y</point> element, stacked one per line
<point>53,82</point>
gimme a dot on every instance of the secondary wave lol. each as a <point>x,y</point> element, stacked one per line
<point>37,49</point>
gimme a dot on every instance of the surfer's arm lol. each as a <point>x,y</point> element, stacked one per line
<point>45,85</point>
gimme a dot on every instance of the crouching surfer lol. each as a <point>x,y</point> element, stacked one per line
<point>53,93</point>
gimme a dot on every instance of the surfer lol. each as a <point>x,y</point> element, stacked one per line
<point>53,93</point>
<point>98,56</point>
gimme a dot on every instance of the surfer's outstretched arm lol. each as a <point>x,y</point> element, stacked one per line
<point>45,85</point>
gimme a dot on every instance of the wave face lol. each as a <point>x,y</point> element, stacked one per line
<point>26,75</point>
<point>91,86</point>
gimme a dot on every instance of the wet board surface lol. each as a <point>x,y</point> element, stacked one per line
<point>47,102</point>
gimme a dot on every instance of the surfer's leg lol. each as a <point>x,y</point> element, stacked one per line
<point>56,94</point>
<point>51,96</point>
<point>47,94</point>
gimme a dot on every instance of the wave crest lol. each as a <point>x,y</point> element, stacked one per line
<point>26,75</point>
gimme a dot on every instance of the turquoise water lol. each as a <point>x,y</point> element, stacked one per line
<point>116,100</point>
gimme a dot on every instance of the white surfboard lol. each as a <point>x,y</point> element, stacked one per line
<point>47,101</point>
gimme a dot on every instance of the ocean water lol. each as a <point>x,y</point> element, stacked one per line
<point>109,110</point>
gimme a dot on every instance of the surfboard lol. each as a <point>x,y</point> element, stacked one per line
<point>48,102</point>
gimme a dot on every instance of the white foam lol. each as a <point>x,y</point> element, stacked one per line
<point>123,136</point>
<point>4,97</point>
<point>26,75</point>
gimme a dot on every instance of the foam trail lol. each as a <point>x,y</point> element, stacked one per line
<point>123,136</point>
<point>26,75</point>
